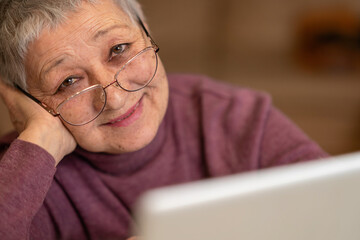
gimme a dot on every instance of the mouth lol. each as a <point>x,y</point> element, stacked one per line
<point>127,118</point>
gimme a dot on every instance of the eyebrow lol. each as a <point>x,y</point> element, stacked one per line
<point>105,31</point>
<point>98,34</point>
<point>56,63</point>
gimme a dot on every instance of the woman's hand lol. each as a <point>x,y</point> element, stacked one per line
<point>35,125</point>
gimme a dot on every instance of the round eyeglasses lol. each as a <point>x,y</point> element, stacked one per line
<point>86,105</point>
<point>82,103</point>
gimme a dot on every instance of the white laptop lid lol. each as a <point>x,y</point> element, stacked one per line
<point>304,201</point>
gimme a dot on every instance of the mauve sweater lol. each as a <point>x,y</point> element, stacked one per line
<point>209,130</point>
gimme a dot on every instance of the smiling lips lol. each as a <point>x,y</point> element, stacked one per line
<point>127,118</point>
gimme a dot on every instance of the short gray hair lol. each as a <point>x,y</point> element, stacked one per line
<point>21,22</point>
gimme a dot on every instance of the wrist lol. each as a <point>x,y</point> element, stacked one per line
<point>51,141</point>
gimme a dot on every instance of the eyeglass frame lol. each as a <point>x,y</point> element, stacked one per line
<point>57,114</point>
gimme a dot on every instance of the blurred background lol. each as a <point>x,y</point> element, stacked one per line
<point>305,53</point>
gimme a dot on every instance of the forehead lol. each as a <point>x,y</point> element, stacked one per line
<point>87,23</point>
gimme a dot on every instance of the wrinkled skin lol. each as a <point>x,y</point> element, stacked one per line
<point>78,53</point>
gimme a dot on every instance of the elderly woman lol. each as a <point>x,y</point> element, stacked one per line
<point>99,121</point>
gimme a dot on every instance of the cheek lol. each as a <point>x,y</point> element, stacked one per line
<point>161,84</point>
<point>164,89</point>
<point>84,135</point>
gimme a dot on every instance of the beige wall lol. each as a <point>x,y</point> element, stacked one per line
<point>250,43</point>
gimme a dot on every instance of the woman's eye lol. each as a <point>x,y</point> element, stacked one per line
<point>117,49</point>
<point>68,82</point>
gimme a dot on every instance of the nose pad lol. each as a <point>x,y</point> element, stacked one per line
<point>117,85</point>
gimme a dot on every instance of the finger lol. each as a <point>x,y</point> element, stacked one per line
<point>10,96</point>
<point>19,107</point>
<point>7,93</point>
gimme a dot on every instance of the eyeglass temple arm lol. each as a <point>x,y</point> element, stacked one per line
<point>148,34</point>
<point>43,105</point>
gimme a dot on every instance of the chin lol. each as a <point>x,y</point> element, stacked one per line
<point>114,145</point>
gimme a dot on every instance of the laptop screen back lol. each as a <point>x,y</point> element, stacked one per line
<point>304,201</point>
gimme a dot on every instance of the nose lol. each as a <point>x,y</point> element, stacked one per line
<point>115,96</point>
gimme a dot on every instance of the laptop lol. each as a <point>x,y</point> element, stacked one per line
<point>304,201</point>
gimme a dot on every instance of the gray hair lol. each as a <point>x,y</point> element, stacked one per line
<point>21,22</point>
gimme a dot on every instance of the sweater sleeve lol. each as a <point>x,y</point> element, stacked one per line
<point>26,173</point>
<point>283,142</point>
